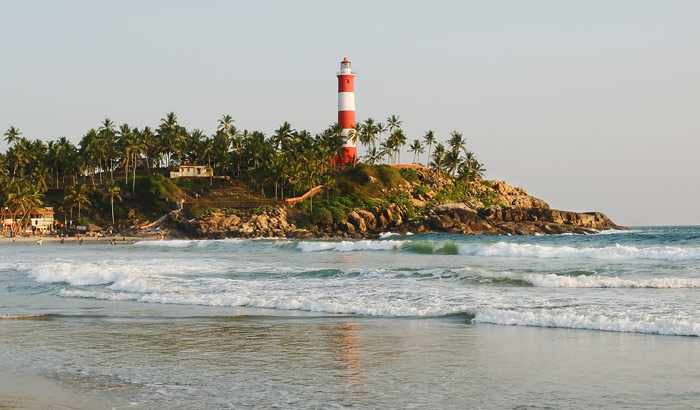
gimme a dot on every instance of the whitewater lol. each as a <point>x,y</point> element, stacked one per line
<point>644,282</point>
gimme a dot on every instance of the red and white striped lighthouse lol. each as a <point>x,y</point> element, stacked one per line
<point>346,113</point>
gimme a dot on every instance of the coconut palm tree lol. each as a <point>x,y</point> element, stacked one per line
<point>226,125</point>
<point>429,139</point>
<point>39,177</point>
<point>438,158</point>
<point>126,136</point>
<point>399,139</point>
<point>79,194</point>
<point>369,133</point>
<point>452,161</point>
<point>11,135</point>
<point>417,149</point>
<point>22,198</point>
<point>112,190</point>
<point>149,143</point>
<point>394,123</point>
<point>108,135</point>
<point>169,133</point>
<point>457,141</point>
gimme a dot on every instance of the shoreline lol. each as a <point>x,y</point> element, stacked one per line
<point>21,390</point>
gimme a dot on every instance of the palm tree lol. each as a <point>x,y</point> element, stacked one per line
<point>11,135</point>
<point>452,161</point>
<point>22,198</point>
<point>282,136</point>
<point>457,141</point>
<point>369,133</point>
<point>108,134</point>
<point>169,133</point>
<point>112,190</point>
<point>417,149</point>
<point>438,158</point>
<point>40,176</point>
<point>80,196</point>
<point>381,129</point>
<point>226,125</point>
<point>399,139</point>
<point>429,139</point>
<point>373,156</point>
<point>394,123</point>
<point>125,137</point>
<point>148,142</point>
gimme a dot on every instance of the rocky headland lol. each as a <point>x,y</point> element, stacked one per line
<point>500,210</point>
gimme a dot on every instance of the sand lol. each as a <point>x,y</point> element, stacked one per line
<point>24,391</point>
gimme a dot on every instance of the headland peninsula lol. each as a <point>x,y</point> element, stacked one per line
<point>171,182</point>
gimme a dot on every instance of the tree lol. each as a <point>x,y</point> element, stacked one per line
<point>417,149</point>
<point>11,135</point>
<point>438,158</point>
<point>22,198</point>
<point>108,136</point>
<point>394,123</point>
<point>112,190</point>
<point>457,141</point>
<point>80,196</point>
<point>429,139</point>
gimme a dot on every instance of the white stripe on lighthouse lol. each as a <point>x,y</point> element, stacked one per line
<point>348,141</point>
<point>346,101</point>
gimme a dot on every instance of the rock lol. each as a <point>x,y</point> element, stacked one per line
<point>358,221</point>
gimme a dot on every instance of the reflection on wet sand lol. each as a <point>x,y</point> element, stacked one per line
<point>348,355</point>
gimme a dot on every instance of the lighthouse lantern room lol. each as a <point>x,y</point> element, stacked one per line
<point>346,113</point>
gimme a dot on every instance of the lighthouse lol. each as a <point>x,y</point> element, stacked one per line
<point>346,113</point>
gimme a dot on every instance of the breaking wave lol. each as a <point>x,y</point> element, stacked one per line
<point>589,321</point>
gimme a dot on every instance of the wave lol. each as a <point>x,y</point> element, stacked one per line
<point>615,252</point>
<point>551,280</point>
<point>277,302</point>
<point>589,321</point>
<point>26,316</point>
<point>349,246</point>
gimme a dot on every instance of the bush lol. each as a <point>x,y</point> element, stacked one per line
<point>192,184</point>
<point>158,187</point>
<point>421,189</point>
<point>338,213</point>
<point>321,216</point>
<point>409,174</point>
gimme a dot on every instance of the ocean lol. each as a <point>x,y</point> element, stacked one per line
<point>609,320</point>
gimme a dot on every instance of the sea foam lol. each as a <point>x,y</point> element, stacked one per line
<point>590,321</point>
<point>615,252</point>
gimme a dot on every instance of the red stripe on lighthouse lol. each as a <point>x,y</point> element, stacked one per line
<point>346,119</point>
<point>346,83</point>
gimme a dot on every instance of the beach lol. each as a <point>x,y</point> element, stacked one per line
<point>420,321</point>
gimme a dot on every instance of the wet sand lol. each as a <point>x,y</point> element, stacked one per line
<point>72,240</point>
<point>24,391</point>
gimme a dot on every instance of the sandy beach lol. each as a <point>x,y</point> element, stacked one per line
<point>73,240</point>
<point>24,391</point>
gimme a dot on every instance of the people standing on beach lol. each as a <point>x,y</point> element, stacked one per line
<point>39,241</point>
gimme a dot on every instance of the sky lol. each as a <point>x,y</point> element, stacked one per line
<point>590,105</point>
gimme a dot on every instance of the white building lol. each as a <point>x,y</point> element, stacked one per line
<point>42,219</point>
<point>196,171</point>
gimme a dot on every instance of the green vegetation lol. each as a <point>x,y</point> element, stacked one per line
<point>118,174</point>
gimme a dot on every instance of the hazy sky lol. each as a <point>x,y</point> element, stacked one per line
<point>590,105</point>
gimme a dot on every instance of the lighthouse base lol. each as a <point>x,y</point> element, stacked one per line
<point>345,156</point>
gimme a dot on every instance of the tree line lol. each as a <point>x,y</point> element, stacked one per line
<point>287,159</point>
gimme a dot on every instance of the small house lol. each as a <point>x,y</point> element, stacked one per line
<point>193,171</point>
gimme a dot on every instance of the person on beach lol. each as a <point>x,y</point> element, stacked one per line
<point>39,241</point>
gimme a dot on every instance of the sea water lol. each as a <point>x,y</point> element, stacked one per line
<point>609,320</point>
